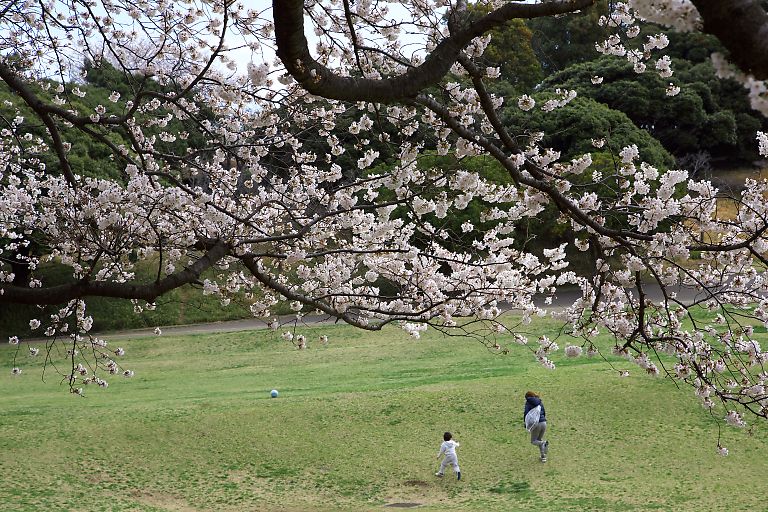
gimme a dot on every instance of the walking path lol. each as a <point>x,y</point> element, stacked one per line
<point>248,324</point>
<point>564,298</point>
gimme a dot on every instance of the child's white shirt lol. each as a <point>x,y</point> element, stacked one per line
<point>448,448</point>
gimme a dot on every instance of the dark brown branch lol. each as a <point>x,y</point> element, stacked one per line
<point>149,292</point>
<point>273,284</point>
<point>742,27</point>
<point>487,104</point>
<point>317,79</point>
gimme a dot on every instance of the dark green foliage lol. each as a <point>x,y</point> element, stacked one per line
<point>510,50</point>
<point>560,41</point>
<point>708,114</point>
<point>106,76</point>
<point>565,129</point>
<point>85,157</point>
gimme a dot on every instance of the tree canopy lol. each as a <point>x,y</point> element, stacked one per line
<point>314,179</point>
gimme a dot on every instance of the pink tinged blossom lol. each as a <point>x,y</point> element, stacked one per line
<point>682,371</point>
<point>34,323</point>
<point>413,329</point>
<point>119,351</point>
<point>367,159</point>
<point>679,14</point>
<point>704,391</point>
<point>629,153</point>
<point>13,340</point>
<point>722,450</point>
<point>86,323</point>
<point>158,331</point>
<point>128,373</point>
<point>623,373</point>
<point>658,41</point>
<point>33,351</point>
<point>734,419</point>
<point>547,363</point>
<point>16,371</point>
<point>663,65</point>
<point>564,97</point>
<point>526,103</point>
<point>258,73</point>
<point>762,139</point>
<point>573,351</point>
<point>672,90</point>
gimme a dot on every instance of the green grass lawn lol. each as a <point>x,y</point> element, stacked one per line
<point>357,426</point>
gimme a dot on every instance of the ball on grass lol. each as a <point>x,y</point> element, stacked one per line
<point>273,393</point>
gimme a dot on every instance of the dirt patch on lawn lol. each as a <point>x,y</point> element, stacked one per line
<point>163,501</point>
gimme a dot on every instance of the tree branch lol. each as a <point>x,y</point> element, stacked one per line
<point>149,292</point>
<point>742,26</point>
<point>17,85</point>
<point>317,79</point>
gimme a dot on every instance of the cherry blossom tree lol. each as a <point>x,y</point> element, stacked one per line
<point>307,181</point>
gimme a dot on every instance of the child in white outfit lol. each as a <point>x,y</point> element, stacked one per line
<point>449,449</point>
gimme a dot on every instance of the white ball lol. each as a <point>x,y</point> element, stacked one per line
<point>273,393</point>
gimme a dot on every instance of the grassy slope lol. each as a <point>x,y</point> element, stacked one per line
<point>357,425</point>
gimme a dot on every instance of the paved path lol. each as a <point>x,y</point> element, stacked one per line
<point>249,324</point>
<point>563,299</point>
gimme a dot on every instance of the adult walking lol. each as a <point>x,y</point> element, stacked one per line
<point>535,419</point>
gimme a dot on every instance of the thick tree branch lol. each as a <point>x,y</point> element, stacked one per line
<point>317,79</point>
<point>742,27</point>
<point>149,292</point>
<point>272,283</point>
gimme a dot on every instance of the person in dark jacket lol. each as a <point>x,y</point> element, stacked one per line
<point>537,432</point>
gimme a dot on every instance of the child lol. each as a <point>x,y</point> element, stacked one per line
<point>449,449</point>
